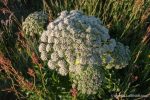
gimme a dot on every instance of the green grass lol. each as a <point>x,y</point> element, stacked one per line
<point>127,21</point>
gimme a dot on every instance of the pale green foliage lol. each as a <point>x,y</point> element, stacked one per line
<point>80,45</point>
<point>34,23</point>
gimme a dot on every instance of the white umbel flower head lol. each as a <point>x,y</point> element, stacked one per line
<point>51,65</point>
<point>44,37</point>
<point>62,63</point>
<point>44,56</point>
<point>80,46</point>
<point>48,48</point>
<point>34,23</point>
<point>63,71</point>
<point>42,47</point>
<point>54,56</point>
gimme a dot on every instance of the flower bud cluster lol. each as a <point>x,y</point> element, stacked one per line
<point>34,23</point>
<point>88,81</point>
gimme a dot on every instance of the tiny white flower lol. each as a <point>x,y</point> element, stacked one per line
<point>51,65</point>
<point>48,47</point>
<point>66,21</point>
<point>78,68</point>
<point>63,71</point>
<point>51,26</point>
<point>44,37</point>
<point>43,56</point>
<point>60,53</point>
<point>72,68</point>
<point>50,39</point>
<point>63,14</point>
<point>62,63</point>
<point>54,56</point>
<point>42,47</point>
<point>61,26</point>
<point>56,41</point>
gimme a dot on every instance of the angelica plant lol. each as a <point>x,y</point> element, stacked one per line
<point>81,46</point>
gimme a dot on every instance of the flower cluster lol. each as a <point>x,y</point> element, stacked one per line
<point>80,45</point>
<point>118,59</point>
<point>88,81</point>
<point>34,23</point>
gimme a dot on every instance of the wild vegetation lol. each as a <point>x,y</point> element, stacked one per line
<point>23,75</point>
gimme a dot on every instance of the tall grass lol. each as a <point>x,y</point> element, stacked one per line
<point>22,72</point>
